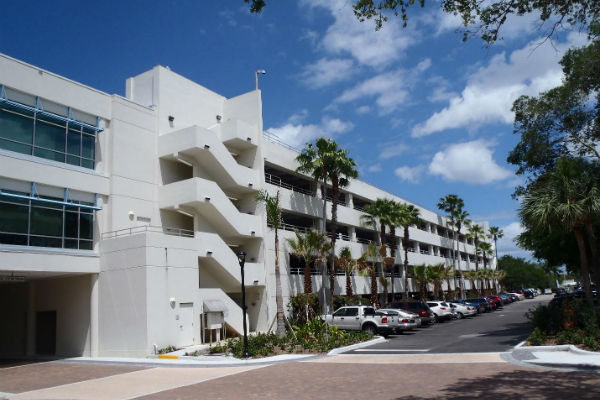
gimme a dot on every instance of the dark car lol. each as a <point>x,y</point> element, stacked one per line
<point>417,307</point>
<point>528,294</point>
<point>483,303</point>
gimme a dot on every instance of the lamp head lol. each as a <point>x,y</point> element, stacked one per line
<point>261,71</point>
<point>241,255</point>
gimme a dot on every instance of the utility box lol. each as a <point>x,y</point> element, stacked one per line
<point>214,320</point>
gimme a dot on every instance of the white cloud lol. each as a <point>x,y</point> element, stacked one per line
<point>347,35</point>
<point>507,245</point>
<point>492,89</point>
<point>363,110</point>
<point>392,150</point>
<point>410,174</point>
<point>469,162</point>
<point>375,168</point>
<point>326,72</point>
<point>296,134</point>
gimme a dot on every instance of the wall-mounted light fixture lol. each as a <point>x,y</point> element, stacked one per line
<point>206,147</point>
<point>209,252</point>
<point>219,118</point>
<point>207,199</point>
<point>171,118</point>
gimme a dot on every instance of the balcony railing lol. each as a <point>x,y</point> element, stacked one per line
<point>277,181</point>
<point>341,202</point>
<point>339,236</point>
<point>147,228</point>
<point>275,139</point>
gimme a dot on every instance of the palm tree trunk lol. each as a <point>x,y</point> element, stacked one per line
<point>278,291</point>
<point>405,245</point>
<point>324,292</point>
<point>348,285</point>
<point>334,203</point>
<point>374,297</point>
<point>595,264</point>
<point>307,278</point>
<point>585,273</point>
<point>393,255</point>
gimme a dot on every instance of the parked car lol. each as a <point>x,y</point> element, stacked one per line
<point>441,310</point>
<point>464,310</point>
<point>417,307</point>
<point>520,296</point>
<point>495,301</point>
<point>483,303</point>
<point>529,294</point>
<point>477,306</point>
<point>404,321</point>
<point>363,318</point>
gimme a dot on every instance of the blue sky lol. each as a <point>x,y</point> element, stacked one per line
<point>421,112</point>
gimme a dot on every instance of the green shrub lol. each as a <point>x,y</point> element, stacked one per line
<point>297,307</point>
<point>340,301</point>
<point>168,349</point>
<point>308,337</point>
<point>537,337</point>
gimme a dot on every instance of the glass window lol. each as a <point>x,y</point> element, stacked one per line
<point>50,133</point>
<point>13,217</point>
<point>29,222</point>
<point>46,221</point>
<point>352,312</point>
<point>16,125</point>
<point>340,313</point>
<point>88,146</point>
<point>46,136</point>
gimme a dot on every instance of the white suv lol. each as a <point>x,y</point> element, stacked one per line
<point>441,310</point>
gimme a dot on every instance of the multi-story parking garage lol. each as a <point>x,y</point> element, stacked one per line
<point>121,217</point>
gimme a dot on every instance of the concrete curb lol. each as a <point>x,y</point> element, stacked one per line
<point>355,346</point>
<point>523,355</point>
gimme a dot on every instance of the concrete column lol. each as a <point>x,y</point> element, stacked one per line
<point>352,233</point>
<point>94,315</point>
<point>30,346</point>
<point>350,200</point>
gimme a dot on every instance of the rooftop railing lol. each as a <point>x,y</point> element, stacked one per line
<point>277,181</point>
<point>147,228</point>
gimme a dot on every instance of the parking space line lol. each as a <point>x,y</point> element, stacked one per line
<point>387,350</point>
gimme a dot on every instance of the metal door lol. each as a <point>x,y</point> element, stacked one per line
<point>186,324</point>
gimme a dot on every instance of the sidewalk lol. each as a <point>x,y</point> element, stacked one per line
<point>565,357</point>
<point>213,360</point>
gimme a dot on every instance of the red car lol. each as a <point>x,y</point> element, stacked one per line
<point>495,301</point>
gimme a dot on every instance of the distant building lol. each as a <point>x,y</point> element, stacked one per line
<point>120,218</point>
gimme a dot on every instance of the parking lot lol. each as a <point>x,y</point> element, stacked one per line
<point>494,331</point>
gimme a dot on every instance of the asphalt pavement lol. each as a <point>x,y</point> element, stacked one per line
<point>496,331</point>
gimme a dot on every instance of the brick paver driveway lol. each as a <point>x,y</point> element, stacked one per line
<point>477,376</point>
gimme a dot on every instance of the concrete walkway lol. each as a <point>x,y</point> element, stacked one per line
<point>567,357</point>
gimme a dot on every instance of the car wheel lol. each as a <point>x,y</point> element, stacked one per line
<point>460,315</point>
<point>370,329</point>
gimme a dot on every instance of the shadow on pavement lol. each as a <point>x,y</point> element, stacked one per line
<point>523,384</point>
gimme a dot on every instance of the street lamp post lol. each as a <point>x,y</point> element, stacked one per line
<point>241,255</point>
<point>261,72</point>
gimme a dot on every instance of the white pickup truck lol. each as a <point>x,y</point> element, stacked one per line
<point>363,318</point>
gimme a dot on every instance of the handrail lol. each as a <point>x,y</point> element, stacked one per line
<point>271,137</point>
<point>277,181</point>
<point>147,228</point>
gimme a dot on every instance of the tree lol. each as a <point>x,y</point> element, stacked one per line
<point>486,17</point>
<point>447,274</point>
<point>407,216</point>
<point>567,198</point>
<point>563,122</point>
<point>371,257</point>
<point>453,206</point>
<point>460,219</point>
<point>520,273</point>
<point>471,276</point>
<point>496,233</point>
<point>348,264</point>
<point>324,161</point>
<point>274,221</point>
<point>307,246</point>
<point>476,232</point>
<point>420,274</point>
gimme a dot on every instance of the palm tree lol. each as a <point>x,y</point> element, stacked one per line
<point>407,216</point>
<point>472,276</point>
<point>453,206</point>
<point>377,214</point>
<point>421,275</point>
<point>326,161</point>
<point>436,277</point>
<point>568,199</point>
<point>306,246</point>
<point>371,257</point>
<point>348,264</point>
<point>460,219</point>
<point>496,233</point>
<point>476,232</point>
<point>486,251</point>
<point>274,221</point>
<point>447,273</point>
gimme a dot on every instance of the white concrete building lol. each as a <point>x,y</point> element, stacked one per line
<point>120,218</point>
